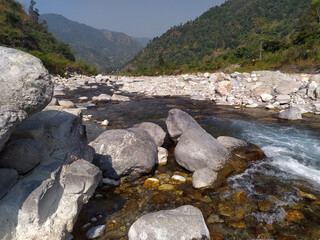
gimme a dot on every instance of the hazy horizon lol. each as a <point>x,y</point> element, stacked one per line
<point>137,18</point>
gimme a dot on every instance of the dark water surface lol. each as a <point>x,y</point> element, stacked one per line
<point>264,202</point>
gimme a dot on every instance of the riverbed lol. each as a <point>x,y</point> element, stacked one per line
<point>276,198</point>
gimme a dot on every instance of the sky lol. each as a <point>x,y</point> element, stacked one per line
<point>138,18</point>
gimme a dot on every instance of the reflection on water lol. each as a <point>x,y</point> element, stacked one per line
<point>263,202</point>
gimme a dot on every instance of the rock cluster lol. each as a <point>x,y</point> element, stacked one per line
<point>46,173</point>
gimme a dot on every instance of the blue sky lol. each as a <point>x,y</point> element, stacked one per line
<point>139,18</point>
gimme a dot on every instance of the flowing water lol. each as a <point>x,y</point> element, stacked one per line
<point>277,198</point>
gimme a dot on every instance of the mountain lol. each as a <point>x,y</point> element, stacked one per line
<point>237,30</point>
<point>142,40</point>
<point>104,49</point>
<point>22,31</point>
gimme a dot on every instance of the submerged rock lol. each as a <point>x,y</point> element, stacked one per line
<point>121,153</point>
<point>245,150</point>
<point>25,87</point>
<point>185,222</point>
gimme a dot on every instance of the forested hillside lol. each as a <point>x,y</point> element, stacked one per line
<point>22,31</point>
<point>104,49</point>
<point>249,32</point>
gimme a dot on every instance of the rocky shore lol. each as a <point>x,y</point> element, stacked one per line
<point>259,89</point>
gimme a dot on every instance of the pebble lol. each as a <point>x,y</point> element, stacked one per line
<point>96,232</point>
<point>105,123</point>
<point>178,179</point>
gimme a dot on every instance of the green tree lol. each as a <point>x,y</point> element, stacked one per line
<point>316,5</point>
<point>33,12</point>
<point>261,33</point>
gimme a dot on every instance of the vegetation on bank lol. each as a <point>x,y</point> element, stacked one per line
<point>253,34</point>
<point>22,31</point>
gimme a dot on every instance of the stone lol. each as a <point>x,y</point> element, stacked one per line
<point>151,183</point>
<point>81,176</point>
<point>308,196</point>
<point>292,113</point>
<point>317,92</point>
<point>198,149</point>
<point>288,87</point>
<point>155,131</point>
<point>165,187</point>
<point>294,216</point>
<point>105,123</point>
<point>178,179</point>
<point>162,156</point>
<point>242,149</point>
<point>283,99</point>
<point>311,90</point>
<point>8,178</point>
<point>121,153</point>
<point>66,104</point>
<point>25,87</point>
<point>213,218</point>
<point>315,78</point>
<point>263,89</point>
<point>224,87</point>
<point>120,98</point>
<point>96,232</point>
<point>203,178</point>
<point>22,155</point>
<point>179,121</point>
<point>110,182</point>
<point>60,131</point>
<point>185,222</point>
<point>266,97</point>
<point>102,98</point>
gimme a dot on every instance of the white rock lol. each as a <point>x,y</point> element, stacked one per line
<point>96,232</point>
<point>178,178</point>
<point>266,97</point>
<point>105,123</point>
<point>94,219</point>
<point>162,156</point>
<point>86,225</point>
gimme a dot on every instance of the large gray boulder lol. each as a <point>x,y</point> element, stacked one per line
<point>292,113</point>
<point>22,155</point>
<point>198,149</point>
<point>25,87</point>
<point>179,121</point>
<point>155,131</point>
<point>288,87</point>
<point>185,222</point>
<point>45,203</point>
<point>8,177</point>
<point>121,153</point>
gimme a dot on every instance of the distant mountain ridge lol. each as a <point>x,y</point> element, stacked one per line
<point>104,49</point>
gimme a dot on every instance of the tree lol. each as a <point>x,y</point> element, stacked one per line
<point>33,12</point>
<point>316,5</point>
<point>261,33</point>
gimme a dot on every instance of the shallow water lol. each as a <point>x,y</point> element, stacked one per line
<point>271,206</point>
